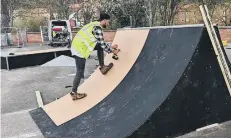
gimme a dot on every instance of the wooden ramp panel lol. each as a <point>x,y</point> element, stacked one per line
<point>40,51</point>
<point>99,86</point>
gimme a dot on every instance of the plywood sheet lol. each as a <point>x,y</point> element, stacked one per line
<point>98,86</point>
<point>40,51</point>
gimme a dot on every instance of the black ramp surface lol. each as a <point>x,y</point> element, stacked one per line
<point>3,63</point>
<point>19,61</point>
<point>200,98</point>
<point>168,92</point>
<point>66,53</point>
<point>29,60</point>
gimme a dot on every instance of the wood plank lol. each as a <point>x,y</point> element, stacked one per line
<point>39,98</point>
<point>40,51</point>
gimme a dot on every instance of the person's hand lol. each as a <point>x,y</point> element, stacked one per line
<point>115,51</point>
<point>114,46</point>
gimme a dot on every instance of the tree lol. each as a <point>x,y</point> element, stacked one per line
<point>168,10</point>
<point>5,15</point>
<point>88,10</point>
<point>135,9</point>
<point>7,9</point>
<point>113,7</point>
<point>60,8</point>
<point>211,4</point>
<point>123,10</point>
<point>226,12</point>
<point>144,12</point>
<point>151,7</point>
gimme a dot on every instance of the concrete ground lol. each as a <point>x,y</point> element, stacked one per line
<point>18,97</point>
<point>220,131</point>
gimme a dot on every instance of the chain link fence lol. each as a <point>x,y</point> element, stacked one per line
<point>13,37</point>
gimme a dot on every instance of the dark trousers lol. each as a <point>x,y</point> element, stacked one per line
<point>80,67</point>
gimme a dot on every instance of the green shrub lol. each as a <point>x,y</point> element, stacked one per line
<point>31,23</point>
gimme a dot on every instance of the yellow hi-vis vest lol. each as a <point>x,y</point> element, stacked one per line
<point>54,34</point>
<point>84,41</point>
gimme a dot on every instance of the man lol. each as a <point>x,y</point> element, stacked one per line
<point>88,39</point>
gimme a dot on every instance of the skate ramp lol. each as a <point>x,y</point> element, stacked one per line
<point>166,83</point>
<point>10,59</point>
<point>98,86</point>
<point>61,61</point>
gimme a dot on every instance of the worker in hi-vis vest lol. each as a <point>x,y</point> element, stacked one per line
<point>88,39</point>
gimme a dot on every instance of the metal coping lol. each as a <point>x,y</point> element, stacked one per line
<point>163,27</point>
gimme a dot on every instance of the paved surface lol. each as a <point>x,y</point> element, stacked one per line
<point>64,61</point>
<point>19,124</point>
<point>18,98</point>
<point>221,131</point>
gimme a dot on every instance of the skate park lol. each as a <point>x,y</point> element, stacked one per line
<point>171,85</point>
<point>40,69</point>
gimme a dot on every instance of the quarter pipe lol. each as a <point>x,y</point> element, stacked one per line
<point>167,82</point>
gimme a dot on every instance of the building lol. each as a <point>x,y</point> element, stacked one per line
<point>190,14</point>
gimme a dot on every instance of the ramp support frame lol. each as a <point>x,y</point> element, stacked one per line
<point>216,46</point>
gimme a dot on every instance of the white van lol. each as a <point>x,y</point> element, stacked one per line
<point>59,33</point>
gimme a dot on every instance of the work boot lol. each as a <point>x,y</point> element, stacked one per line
<point>76,96</point>
<point>104,69</point>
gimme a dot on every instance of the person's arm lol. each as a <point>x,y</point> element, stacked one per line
<point>98,33</point>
